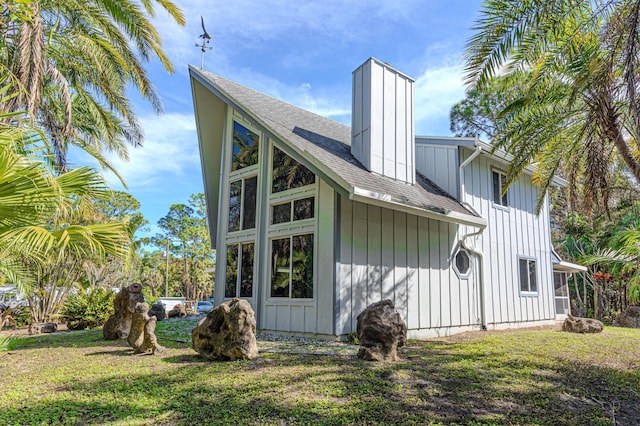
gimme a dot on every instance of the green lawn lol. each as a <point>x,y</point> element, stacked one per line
<point>514,377</point>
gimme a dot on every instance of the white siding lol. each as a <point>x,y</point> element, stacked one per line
<point>382,137</point>
<point>511,232</point>
<point>386,254</point>
<point>439,164</point>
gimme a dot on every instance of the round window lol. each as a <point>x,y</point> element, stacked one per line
<point>462,262</point>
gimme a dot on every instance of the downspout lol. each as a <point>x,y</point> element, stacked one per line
<point>463,240</point>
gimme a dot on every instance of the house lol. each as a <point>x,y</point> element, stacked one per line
<point>313,220</point>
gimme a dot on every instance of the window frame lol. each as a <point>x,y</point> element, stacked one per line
<point>240,254</point>
<point>528,292</point>
<point>241,237</point>
<point>289,229</point>
<point>462,275</point>
<point>503,203</point>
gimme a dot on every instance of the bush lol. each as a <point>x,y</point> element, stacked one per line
<point>88,309</point>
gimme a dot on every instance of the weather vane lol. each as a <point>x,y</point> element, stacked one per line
<point>206,38</point>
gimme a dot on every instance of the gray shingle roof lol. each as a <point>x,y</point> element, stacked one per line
<point>326,145</point>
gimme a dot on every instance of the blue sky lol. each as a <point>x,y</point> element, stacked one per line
<point>302,52</point>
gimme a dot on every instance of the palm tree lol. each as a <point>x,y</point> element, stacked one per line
<point>578,111</point>
<point>74,61</point>
<point>42,235</point>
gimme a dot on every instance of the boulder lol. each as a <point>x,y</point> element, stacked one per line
<point>157,310</point>
<point>119,324</point>
<point>177,311</point>
<point>43,327</point>
<point>581,325</point>
<point>381,331</point>
<point>228,332</point>
<point>142,337</point>
<point>629,318</point>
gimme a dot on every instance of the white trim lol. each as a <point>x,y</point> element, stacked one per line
<point>528,293</point>
<point>384,200</point>
<point>501,177</point>
<point>569,267</point>
<point>454,263</point>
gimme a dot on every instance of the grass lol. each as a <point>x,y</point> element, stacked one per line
<point>532,377</point>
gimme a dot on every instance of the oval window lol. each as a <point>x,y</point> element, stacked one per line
<point>462,263</point>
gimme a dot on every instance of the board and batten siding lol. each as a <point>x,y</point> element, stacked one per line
<point>511,233</point>
<point>386,254</point>
<point>439,164</point>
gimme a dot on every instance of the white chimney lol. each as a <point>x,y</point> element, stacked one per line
<point>382,133</point>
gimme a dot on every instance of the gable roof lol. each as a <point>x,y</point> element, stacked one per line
<point>324,146</point>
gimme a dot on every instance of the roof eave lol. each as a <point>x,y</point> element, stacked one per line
<point>388,201</point>
<point>569,267</point>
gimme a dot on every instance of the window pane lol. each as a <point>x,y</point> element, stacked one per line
<point>246,272</point>
<point>498,183</point>
<point>249,203</point>
<point>235,194</point>
<point>533,286</point>
<point>232,271</point>
<point>302,279</point>
<point>280,272</point>
<point>560,284</point>
<point>505,200</point>
<point>524,275</point>
<point>281,213</point>
<point>462,262</point>
<point>497,197</point>
<point>303,209</point>
<point>288,173</point>
<point>245,147</point>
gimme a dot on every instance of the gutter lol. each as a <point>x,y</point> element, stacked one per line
<point>388,201</point>
<point>463,240</point>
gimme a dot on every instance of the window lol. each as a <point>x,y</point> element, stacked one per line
<point>462,263</point>
<point>292,267</point>
<point>288,173</point>
<point>242,204</point>
<point>528,282</point>
<point>498,186</point>
<point>239,281</point>
<point>298,209</point>
<point>244,152</point>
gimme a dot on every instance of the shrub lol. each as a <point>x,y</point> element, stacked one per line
<point>87,309</point>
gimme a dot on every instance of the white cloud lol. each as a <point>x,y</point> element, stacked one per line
<point>241,24</point>
<point>437,89</point>
<point>170,151</point>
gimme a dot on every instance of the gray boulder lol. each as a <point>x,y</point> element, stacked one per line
<point>43,327</point>
<point>381,331</point>
<point>228,332</point>
<point>581,325</point>
<point>142,337</point>
<point>629,318</point>
<point>177,311</point>
<point>157,310</point>
<point>118,325</point>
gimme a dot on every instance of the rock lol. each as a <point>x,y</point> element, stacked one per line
<point>157,310</point>
<point>177,311</point>
<point>142,337</point>
<point>43,327</point>
<point>228,332</point>
<point>380,331</point>
<point>629,318</point>
<point>119,324</point>
<point>581,325</point>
